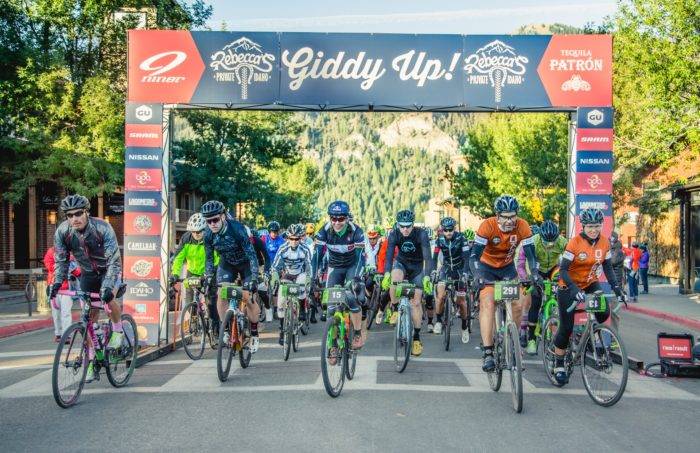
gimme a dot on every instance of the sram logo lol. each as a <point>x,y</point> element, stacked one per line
<point>160,64</point>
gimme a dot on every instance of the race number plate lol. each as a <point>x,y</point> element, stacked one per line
<point>596,304</point>
<point>231,292</point>
<point>334,296</point>
<point>506,291</point>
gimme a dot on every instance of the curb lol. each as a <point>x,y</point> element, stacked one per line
<point>690,323</point>
<point>28,326</point>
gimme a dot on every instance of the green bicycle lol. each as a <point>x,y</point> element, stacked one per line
<point>549,309</point>
<point>338,359</point>
<point>289,300</point>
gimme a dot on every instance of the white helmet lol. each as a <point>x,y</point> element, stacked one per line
<point>196,222</point>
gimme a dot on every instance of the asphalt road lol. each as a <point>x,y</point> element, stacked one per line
<point>441,402</point>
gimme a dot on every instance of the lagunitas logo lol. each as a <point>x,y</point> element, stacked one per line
<point>142,268</point>
<point>159,67</point>
<point>243,62</point>
<point>143,202</point>
<point>497,64</point>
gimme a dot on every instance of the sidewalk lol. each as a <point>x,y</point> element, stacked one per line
<point>664,302</point>
<point>14,317</point>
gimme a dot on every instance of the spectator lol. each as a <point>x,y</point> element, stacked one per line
<point>632,265</point>
<point>644,268</point>
<point>62,305</point>
<point>617,257</point>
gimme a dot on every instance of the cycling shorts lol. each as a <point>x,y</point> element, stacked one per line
<point>338,276</point>
<point>411,272</point>
<point>489,274</point>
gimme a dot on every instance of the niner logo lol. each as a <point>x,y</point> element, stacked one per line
<point>243,62</point>
<point>496,64</point>
<point>160,64</point>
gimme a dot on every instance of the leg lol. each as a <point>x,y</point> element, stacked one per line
<point>396,277</point>
<point>487,314</point>
<point>66,304</point>
<point>57,318</point>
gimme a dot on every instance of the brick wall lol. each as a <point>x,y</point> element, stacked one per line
<point>7,233</point>
<point>117,222</point>
<point>45,233</point>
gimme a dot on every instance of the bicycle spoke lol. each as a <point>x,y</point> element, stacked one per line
<point>605,380</point>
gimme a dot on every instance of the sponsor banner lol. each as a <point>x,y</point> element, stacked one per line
<point>146,313</point>
<point>576,70</point>
<point>143,157</point>
<point>164,66</point>
<point>142,201</point>
<point>142,290</point>
<point>141,267</point>
<point>675,348</point>
<point>363,70</point>
<point>142,179</point>
<point>138,113</point>
<point>142,245</point>
<point>595,183</point>
<point>602,202</point>
<point>594,161</point>
<point>141,223</point>
<point>143,135</point>
<point>594,139</point>
<point>594,118</point>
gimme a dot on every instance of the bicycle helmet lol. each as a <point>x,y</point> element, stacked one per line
<point>448,223</point>
<point>535,229</point>
<point>549,231</point>
<point>591,216</point>
<point>295,230</point>
<point>274,226</point>
<point>196,223</point>
<point>373,231</point>
<point>405,217</point>
<point>72,202</point>
<point>212,208</point>
<point>310,228</point>
<point>339,208</point>
<point>505,203</point>
<point>469,234</point>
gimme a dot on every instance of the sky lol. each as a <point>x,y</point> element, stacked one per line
<point>404,16</point>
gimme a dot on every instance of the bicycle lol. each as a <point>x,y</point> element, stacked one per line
<point>549,309</point>
<point>593,348</point>
<point>449,311</point>
<point>73,353</point>
<point>403,330</point>
<point>506,343</point>
<point>338,359</point>
<point>196,325</point>
<point>289,301</point>
<point>234,332</point>
<point>373,305</point>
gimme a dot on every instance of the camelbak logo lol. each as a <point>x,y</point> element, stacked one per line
<point>161,64</point>
<point>496,64</point>
<point>243,62</point>
<point>595,117</point>
<point>142,246</point>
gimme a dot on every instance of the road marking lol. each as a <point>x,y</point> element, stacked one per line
<point>7,355</point>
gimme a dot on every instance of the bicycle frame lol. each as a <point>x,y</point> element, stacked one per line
<point>237,305</point>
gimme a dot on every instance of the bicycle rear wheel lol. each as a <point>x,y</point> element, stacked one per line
<point>306,310</point>
<point>122,361</point>
<point>192,331</point>
<point>604,379</point>
<point>332,362</point>
<point>447,319</point>
<point>514,361</point>
<point>69,366</point>
<point>244,354</point>
<point>402,339</point>
<point>548,332</point>
<point>224,353</point>
<point>350,355</point>
<point>373,306</point>
<point>287,333</point>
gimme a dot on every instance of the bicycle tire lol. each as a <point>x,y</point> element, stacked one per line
<point>196,324</point>
<point>287,333</point>
<point>70,334</point>
<point>332,388</point>
<point>402,340</point>
<point>373,305</point>
<point>224,353</point>
<point>550,327</point>
<point>304,326</point>
<point>496,376</point>
<point>447,319</point>
<point>128,353</point>
<point>244,354</point>
<point>608,363</point>
<point>514,361</point>
<point>350,355</point>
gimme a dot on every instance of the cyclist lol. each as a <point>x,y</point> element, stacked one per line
<point>343,242</point>
<point>455,264</point>
<point>94,247</point>
<point>584,256</point>
<point>492,260</point>
<point>273,240</point>
<point>292,262</point>
<point>191,251</point>
<point>381,259</point>
<point>237,259</point>
<point>549,246</point>
<point>413,263</point>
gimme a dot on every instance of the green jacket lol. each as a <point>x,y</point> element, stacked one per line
<point>191,252</point>
<point>547,257</point>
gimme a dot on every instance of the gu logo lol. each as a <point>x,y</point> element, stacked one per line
<point>144,113</point>
<point>595,117</point>
<point>594,181</point>
<point>496,64</point>
<point>242,62</point>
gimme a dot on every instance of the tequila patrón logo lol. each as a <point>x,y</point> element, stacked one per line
<point>243,62</point>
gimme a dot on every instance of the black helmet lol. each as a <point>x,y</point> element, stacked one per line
<point>405,216</point>
<point>273,226</point>
<point>339,208</point>
<point>549,231</point>
<point>74,202</point>
<point>505,203</point>
<point>591,216</point>
<point>448,223</point>
<point>212,208</point>
<point>295,230</point>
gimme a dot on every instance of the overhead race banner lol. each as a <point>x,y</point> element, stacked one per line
<point>462,72</point>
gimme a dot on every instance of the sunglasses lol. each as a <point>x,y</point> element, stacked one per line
<point>508,217</point>
<point>338,219</point>
<point>406,227</point>
<point>294,239</point>
<point>70,215</point>
<point>213,220</point>
<point>445,230</point>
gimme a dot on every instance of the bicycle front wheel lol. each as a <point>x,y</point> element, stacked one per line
<point>447,318</point>
<point>192,331</point>
<point>332,363</point>
<point>287,333</point>
<point>69,366</point>
<point>244,353</point>
<point>514,361</point>
<point>373,306</point>
<point>604,365</point>
<point>496,376</point>
<point>350,355</point>
<point>122,361</point>
<point>402,340</point>
<point>224,352</point>
<point>548,332</point>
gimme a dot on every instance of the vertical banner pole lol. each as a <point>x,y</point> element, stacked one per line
<point>571,195</point>
<point>165,225</point>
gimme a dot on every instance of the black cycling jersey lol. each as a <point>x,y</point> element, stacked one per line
<point>233,245</point>
<point>344,250</point>
<point>455,252</point>
<point>414,249</point>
